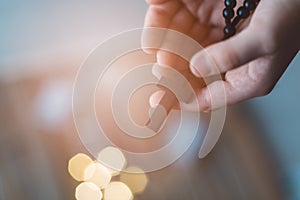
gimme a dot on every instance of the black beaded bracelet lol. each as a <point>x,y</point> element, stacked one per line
<point>242,13</point>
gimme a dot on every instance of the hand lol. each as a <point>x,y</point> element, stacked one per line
<point>251,62</point>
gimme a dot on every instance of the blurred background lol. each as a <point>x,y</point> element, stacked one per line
<point>42,45</point>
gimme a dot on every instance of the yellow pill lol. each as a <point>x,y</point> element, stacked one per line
<point>88,191</point>
<point>77,165</point>
<point>97,174</point>
<point>117,191</point>
<point>135,178</point>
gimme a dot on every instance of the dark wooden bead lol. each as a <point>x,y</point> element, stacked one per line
<point>249,4</point>
<point>243,12</point>
<point>229,30</point>
<point>227,21</point>
<point>230,3</point>
<point>228,13</point>
<point>236,20</point>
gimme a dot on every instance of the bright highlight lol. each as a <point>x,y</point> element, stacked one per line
<point>88,191</point>
<point>112,158</point>
<point>77,165</point>
<point>117,191</point>
<point>97,174</point>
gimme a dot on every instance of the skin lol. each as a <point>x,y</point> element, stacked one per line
<point>251,62</point>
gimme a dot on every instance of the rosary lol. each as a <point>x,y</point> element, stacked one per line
<point>242,13</point>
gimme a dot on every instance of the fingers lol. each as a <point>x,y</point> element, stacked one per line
<point>159,14</point>
<point>171,15</point>
<point>240,84</point>
<point>169,59</point>
<point>228,54</point>
<point>248,81</point>
<point>182,22</point>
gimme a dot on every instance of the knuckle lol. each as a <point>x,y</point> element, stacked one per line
<point>269,38</point>
<point>269,41</point>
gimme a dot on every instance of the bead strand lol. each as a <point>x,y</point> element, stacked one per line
<point>242,13</point>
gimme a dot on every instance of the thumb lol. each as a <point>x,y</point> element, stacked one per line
<point>223,56</point>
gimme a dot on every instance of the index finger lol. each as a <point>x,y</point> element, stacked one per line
<point>159,14</point>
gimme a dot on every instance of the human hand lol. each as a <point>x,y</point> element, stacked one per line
<point>251,62</point>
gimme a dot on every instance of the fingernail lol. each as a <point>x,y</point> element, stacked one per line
<point>206,110</point>
<point>155,98</point>
<point>156,71</point>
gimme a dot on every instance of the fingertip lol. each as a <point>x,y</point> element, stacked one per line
<point>204,100</point>
<point>151,39</point>
<point>193,69</point>
<point>155,98</point>
<point>201,65</point>
<point>166,58</point>
<point>156,71</point>
<point>149,51</point>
